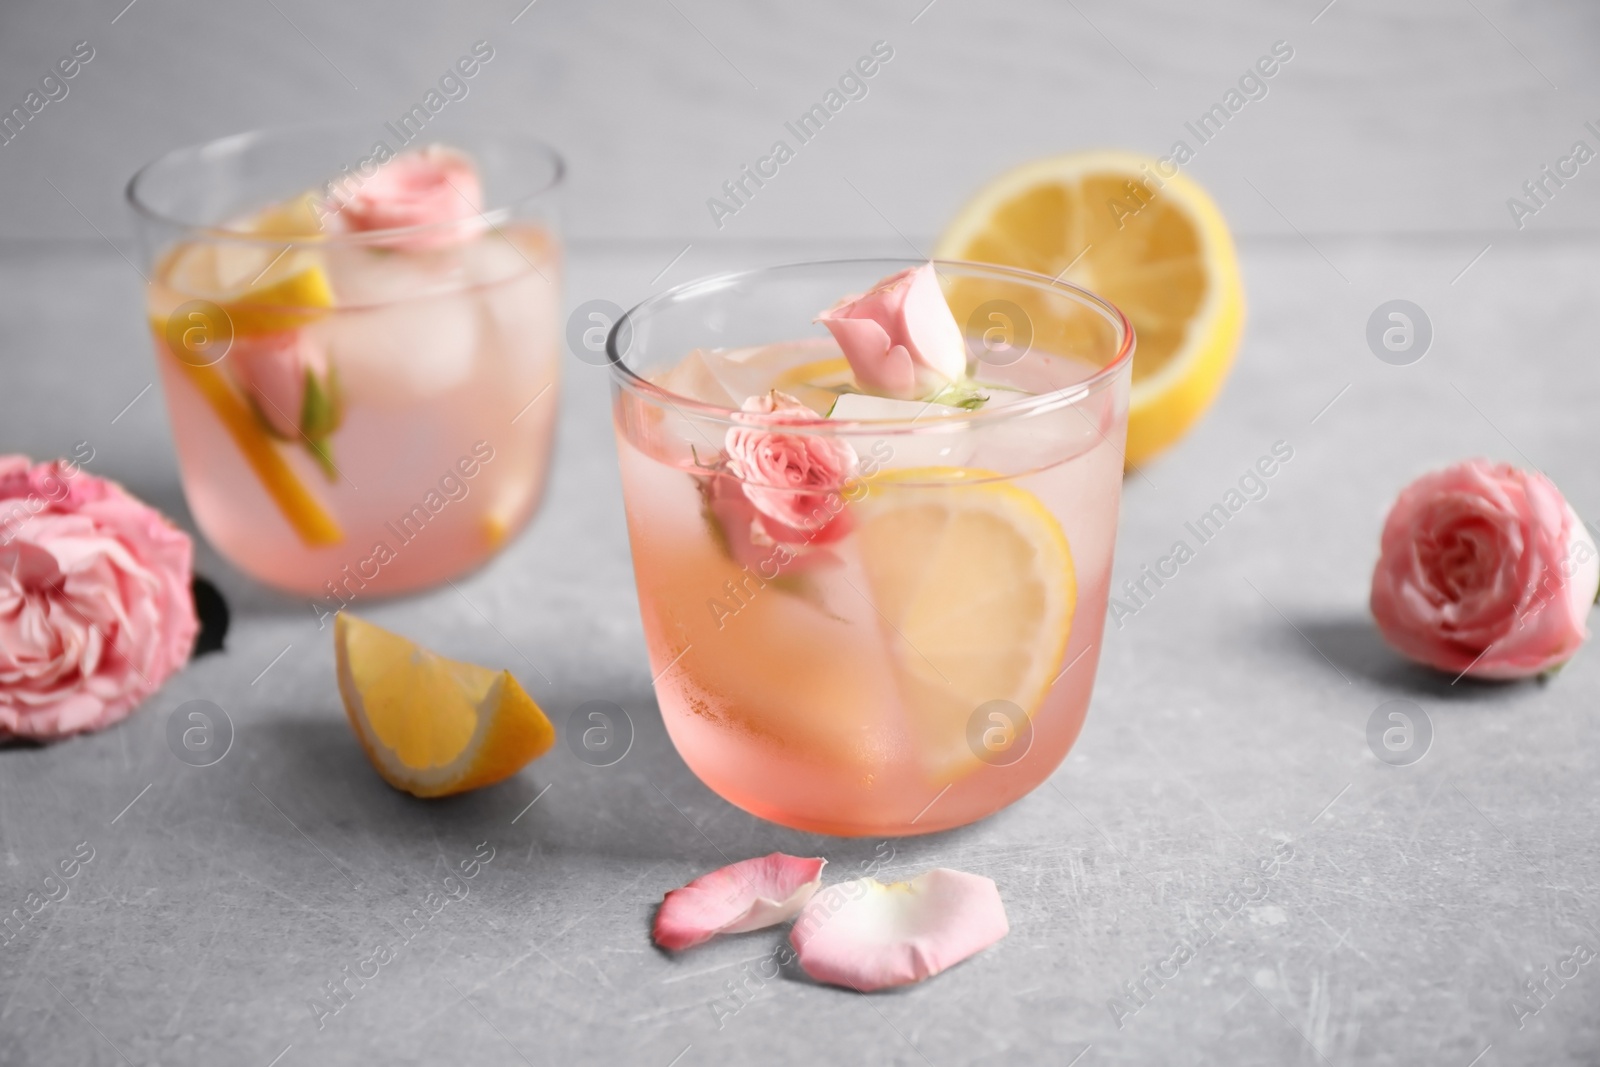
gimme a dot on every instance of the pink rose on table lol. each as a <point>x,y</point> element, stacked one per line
<point>1485,570</point>
<point>794,480</point>
<point>95,607</point>
<point>425,187</point>
<point>900,338</point>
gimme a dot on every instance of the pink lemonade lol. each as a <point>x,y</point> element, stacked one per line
<point>357,417</point>
<point>926,654</point>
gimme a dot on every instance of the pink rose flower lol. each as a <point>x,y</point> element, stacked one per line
<point>900,338</point>
<point>277,370</point>
<point>795,481</point>
<point>1485,570</point>
<point>419,188</point>
<point>95,607</point>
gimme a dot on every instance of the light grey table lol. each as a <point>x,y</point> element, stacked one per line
<point>1230,717</point>
<point>1229,722</point>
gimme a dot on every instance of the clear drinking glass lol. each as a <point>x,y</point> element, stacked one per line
<point>355,413</point>
<point>924,653</point>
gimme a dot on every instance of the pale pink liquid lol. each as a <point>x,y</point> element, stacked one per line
<point>447,362</point>
<point>790,708</point>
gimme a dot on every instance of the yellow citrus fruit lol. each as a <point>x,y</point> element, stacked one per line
<point>975,578</point>
<point>263,287</point>
<point>1154,245</point>
<point>817,384</point>
<point>293,292</point>
<point>259,288</point>
<point>296,217</point>
<point>433,726</point>
<point>312,522</point>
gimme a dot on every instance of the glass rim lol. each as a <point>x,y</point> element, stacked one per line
<point>1076,393</point>
<point>234,142</point>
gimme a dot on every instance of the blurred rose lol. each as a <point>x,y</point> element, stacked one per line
<point>424,187</point>
<point>280,372</point>
<point>795,480</point>
<point>1485,570</point>
<point>95,608</point>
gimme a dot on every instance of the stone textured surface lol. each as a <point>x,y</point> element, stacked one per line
<point>1230,715</point>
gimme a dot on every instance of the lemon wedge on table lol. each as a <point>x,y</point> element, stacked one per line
<point>433,726</point>
<point>1155,246</point>
<point>975,578</point>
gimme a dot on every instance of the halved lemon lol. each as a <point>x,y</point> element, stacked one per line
<point>433,726</point>
<point>1153,244</point>
<point>974,577</point>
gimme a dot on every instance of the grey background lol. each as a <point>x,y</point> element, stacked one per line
<point>1230,714</point>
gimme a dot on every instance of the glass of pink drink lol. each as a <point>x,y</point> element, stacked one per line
<point>359,345</point>
<point>870,615</point>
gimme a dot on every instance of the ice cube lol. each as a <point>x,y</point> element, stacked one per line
<point>371,277</point>
<point>518,277</point>
<point>948,445</point>
<point>755,369</point>
<point>692,377</point>
<point>407,351</point>
<point>860,407</point>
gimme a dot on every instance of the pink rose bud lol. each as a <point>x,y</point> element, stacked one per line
<point>95,607</point>
<point>1485,570</point>
<point>900,338</point>
<point>794,480</point>
<point>292,385</point>
<point>420,188</point>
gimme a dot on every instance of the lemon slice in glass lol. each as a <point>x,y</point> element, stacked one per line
<point>1153,244</point>
<point>289,294</point>
<point>817,384</point>
<point>433,726</point>
<point>974,578</point>
<point>263,287</point>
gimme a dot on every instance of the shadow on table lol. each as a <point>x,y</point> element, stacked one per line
<point>646,806</point>
<point>633,829</point>
<point>1353,645</point>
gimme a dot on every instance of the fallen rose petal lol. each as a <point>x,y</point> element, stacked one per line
<point>865,935</point>
<point>743,896</point>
